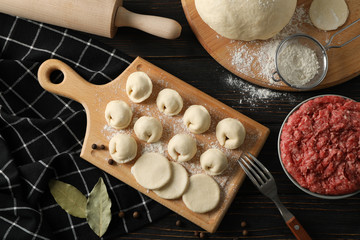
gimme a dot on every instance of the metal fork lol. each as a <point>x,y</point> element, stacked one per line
<point>265,182</point>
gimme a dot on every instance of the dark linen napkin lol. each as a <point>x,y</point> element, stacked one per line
<point>41,136</point>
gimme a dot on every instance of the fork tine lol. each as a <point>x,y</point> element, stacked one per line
<point>252,161</point>
<point>264,169</point>
<point>251,169</point>
<point>248,173</point>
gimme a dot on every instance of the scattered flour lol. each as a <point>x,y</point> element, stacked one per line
<point>255,95</point>
<point>159,147</point>
<point>256,59</point>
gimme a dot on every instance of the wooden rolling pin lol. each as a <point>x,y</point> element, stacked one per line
<point>100,17</point>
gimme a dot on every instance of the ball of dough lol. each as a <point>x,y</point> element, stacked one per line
<point>177,185</point>
<point>118,114</point>
<point>122,148</point>
<point>152,170</point>
<point>169,102</point>
<point>246,20</point>
<point>138,87</point>
<point>148,129</point>
<point>328,14</point>
<point>230,133</point>
<point>182,147</point>
<point>202,195</point>
<point>197,119</point>
<point>213,161</point>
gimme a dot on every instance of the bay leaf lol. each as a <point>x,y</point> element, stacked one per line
<point>69,198</point>
<point>98,208</point>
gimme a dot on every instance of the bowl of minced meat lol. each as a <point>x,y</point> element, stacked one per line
<point>319,146</point>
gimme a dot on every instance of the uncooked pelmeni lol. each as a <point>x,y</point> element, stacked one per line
<point>138,87</point>
<point>246,20</point>
<point>122,148</point>
<point>169,102</point>
<point>213,161</point>
<point>197,119</point>
<point>118,114</point>
<point>182,147</point>
<point>148,129</point>
<point>177,184</point>
<point>202,195</point>
<point>328,14</point>
<point>230,133</point>
<point>152,170</point>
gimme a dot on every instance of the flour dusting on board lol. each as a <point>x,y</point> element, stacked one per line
<point>260,63</point>
<point>173,125</point>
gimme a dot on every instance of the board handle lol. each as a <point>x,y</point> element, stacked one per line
<point>72,85</point>
<point>159,26</point>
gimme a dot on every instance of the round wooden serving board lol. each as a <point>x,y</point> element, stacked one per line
<point>250,60</point>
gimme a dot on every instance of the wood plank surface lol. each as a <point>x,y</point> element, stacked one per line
<point>186,59</point>
<point>342,62</point>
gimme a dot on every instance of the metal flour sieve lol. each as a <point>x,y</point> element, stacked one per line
<point>319,50</point>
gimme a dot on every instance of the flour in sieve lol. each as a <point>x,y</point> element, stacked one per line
<point>297,64</point>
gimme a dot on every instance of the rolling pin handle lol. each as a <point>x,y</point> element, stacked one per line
<point>159,26</point>
<point>72,86</point>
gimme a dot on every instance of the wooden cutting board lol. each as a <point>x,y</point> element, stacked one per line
<point>94,98</point>
<point>249,60</point>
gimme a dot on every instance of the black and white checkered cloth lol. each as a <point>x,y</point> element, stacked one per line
<point>41,135</point>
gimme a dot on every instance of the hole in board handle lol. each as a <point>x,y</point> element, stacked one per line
<point>138,67</point>
<point>56,77</point>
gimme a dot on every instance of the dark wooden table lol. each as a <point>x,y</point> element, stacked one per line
<point>186,59</point>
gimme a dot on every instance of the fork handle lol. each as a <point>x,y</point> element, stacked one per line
<point>298,230</point>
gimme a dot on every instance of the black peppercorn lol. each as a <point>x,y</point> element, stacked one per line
<point>202,235</point>
<point>136,214</point>
<point>102,146</point>
<point>110,161</point>
<point>178,223</point>
<point>121,214</point>
<point>243,224</point>
<point>94,146</point>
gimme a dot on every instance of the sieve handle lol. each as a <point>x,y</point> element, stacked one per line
<point>327,46</point>
<point>274,78</point>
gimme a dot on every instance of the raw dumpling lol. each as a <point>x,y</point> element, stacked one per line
<point>328,14</point>
<point>177,184</point>
<point>197,119</point>
<point>118,114</point>
<point>182,147</point>
<point>203,194</point>
<point>138,87</point>
<point>169,102</point>
<point>213,161</point>
<point>230,133</point>
<point>152,170</point>
<point>122,148</point>
<point>148,129</point>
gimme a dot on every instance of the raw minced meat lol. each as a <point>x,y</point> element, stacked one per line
<point>320,145</point>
